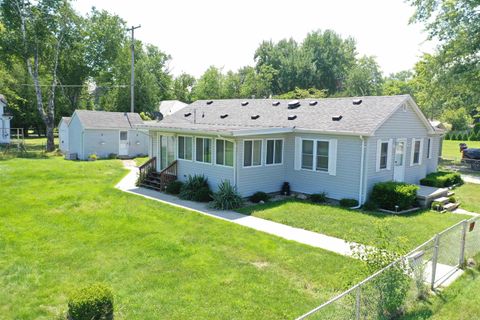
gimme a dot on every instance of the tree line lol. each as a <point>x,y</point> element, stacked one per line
<point>53,61</point>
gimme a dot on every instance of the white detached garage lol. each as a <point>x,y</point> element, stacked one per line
<point>105,134</point>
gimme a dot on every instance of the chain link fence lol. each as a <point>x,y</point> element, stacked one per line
<point>391,290</point>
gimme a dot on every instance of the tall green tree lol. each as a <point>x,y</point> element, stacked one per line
<point>37,33</point>
<point>365,78</point>
<point>398,83</point>
<point>210,84</point>
<point>183,86</point>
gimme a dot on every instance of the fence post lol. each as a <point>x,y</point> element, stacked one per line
<point>434,260</point>
<point>357,302</point>
<point>463,240</point>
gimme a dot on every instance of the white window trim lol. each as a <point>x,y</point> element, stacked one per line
<point>212,154</point>
<point>420,154</point>
<point>429,148</point>
<point>332,156</point>
<point>243,154</point>
<point>193,148</point>
<point>215,154</point>
<point>283,150</point>
<point>379,154</point>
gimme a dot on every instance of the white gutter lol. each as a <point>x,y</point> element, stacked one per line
<point>360,189</point>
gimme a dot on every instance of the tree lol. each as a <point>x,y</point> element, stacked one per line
<point>398,83</point>
<point>183,86</point>
<point>458,118</point>
<point>365,78</point>
<point>304,94</point>
<point>209,86</point>
<point>37,34</point>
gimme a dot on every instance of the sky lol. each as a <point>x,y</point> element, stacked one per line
<point>201,33</point>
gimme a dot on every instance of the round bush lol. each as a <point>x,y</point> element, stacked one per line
<point>94,302</point>
<point>318,197</point>
<point>348,203</point>
<point>174,187</point>
<point>389,194</point>
<point>259,196</point>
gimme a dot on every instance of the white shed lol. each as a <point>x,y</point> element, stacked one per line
<point>63,134</point>
<point>5,118</point>
<point>106,134</point>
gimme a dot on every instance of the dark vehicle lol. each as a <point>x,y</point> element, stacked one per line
<point>470,156</point>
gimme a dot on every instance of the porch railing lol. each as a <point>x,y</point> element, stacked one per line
<point>146,168</point>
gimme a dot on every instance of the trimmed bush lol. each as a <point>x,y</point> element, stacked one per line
<point>318,197</point>
<point>370,206</point>
<point>389,194</point>
<point>259,196</point>
<point>441,179</point>
<point>226,197</point>
<point>452,199</point>
<point>196,188</point>
<point>174,187</point>
<point>436,206</point>
<point>92,157</point>
<point>348,203</point>
<point>94,302</point>
<point>112,156</point>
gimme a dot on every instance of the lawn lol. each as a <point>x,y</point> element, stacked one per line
<point>354,225</point>
<point>469,196</point>
<point>63,225</point>
<point>451,149</point>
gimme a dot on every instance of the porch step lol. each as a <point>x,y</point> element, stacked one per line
<point>451,206</point>
<point>442,200</point>
<point>450,193</point>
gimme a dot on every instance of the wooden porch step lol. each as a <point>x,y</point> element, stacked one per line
<point>451,206</point>
<point>442,200</point>
<point>450,193</point>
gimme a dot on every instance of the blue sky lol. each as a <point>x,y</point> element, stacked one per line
<point>226,33</point>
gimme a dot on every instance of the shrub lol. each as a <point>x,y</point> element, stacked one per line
<point>452,199</point>
<point>92,157</point>
<point>94,302</point>
<point>441,179</point>
<point>476,128</point>
<point>318,197</point>
<point>174,187</point>
<point>436,206</point>
<point>259,196</point>
<point>226,197</point>
<point>348,203</point>
<point>370,206</point>
<point>112,156</point>
<point>389,194</point>
<point>196,188</point>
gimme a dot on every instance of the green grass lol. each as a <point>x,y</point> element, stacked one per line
<point>353,225</point>
<point>451,149</point>
<point>469,196</point>
<point>140,160</point>
<point>460,301</point>
<point>63,225</point>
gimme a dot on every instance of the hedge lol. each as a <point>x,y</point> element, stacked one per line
<point>389,194</point>
<point>94,302</point>
<point>441,179</point>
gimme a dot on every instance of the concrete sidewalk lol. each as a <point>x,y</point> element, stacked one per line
<point>313,239</point>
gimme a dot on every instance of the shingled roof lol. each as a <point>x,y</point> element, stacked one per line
<point>108,120</point>
<point>329,115</point>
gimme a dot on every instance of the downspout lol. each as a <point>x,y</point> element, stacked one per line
<point>360,188</point>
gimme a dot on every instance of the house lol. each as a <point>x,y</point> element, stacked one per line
<point>5,118</point>
<point>341,146</point>
<point>105,134</point>
<point>169,107</point>
<point>63,134</point>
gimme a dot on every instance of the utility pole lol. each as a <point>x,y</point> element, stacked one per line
<point>132,79</point>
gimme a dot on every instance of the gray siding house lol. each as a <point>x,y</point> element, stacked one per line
<point>341,146</point>
<point>105,133</point>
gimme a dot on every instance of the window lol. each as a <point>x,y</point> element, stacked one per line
<point>274,151</point>
<point>383,155</point>
<point>224,153</point>
<point>185,147</point>
<point>123,135</point>
<point>203,152</point>
<point>322,156</point>
<point>252,153</point>
<point>429,148</point>
<point>417,151</point>
<point>307,154</point>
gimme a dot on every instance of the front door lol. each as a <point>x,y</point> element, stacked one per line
<point>166,147</point>
<point>123,144</point>
<point>399,166</point>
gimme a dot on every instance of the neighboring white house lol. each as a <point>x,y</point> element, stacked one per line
<point>105,134</point>
<point>63,134</point>
<point>5,118</point>
<point>169,107</point>
<point>340,146</point>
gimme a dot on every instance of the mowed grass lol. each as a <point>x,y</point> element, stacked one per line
<point>451,148</point>
<point>63,225</point>
<point>353,225</point>
<point>469,197</point>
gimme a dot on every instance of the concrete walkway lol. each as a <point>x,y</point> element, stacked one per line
<point>313,239</point>
<point>470,178</point>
